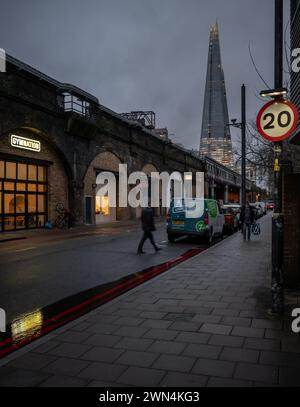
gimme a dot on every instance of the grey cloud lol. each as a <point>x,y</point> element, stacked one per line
<point>145,54</point>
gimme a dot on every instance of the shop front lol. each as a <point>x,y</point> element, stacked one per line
<point>32,182</point>
<point>23,194</point>
<point>98,209</point>
<point>104,211</point>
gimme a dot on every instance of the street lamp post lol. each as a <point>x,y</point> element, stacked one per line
<point>277,288</point>
<point>277,220</point>
<point>243,131</point>
<point>242,126</point>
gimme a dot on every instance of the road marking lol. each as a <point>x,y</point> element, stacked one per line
<point>26,248</point>
<point>164,241</point>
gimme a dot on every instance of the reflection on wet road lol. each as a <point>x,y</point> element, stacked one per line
<point>44,286</point>
<point>33,278</point>
<point>30,326</point>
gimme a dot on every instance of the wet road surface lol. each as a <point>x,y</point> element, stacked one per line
<point>34,275</point>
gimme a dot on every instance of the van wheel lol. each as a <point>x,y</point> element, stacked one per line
<point>209,237</point>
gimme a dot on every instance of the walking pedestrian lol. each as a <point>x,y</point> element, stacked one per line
<point>148,227</point>
<point>247,219</point>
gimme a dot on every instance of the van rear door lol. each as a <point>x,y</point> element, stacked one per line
<point>194,215</point>
<point>177,215</point>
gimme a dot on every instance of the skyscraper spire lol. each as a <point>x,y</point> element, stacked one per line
<point>215,139</point>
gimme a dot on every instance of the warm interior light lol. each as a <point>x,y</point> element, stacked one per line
<point>102,205</point>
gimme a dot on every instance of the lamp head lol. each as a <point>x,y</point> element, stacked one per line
<point>274,93</point>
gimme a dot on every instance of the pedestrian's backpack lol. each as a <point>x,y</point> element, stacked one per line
<point>255,229</point>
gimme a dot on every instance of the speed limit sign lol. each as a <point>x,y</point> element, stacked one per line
<point>277,120</point>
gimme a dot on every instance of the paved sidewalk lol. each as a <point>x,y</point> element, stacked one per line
<point>203,323</point>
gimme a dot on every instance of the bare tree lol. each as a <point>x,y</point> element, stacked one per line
<point>259,156</point>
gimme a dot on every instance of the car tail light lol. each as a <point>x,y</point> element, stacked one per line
<point>206,218</point>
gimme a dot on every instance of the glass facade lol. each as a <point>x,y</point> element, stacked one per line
<point>215,135</point>
<point>23,195</point>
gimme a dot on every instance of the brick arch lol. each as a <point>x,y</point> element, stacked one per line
<point>148,168</point>
<point>105,160</point>
<point>42,136</point>
<point>59,171</point>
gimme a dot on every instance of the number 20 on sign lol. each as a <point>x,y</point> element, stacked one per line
<point>277,120</point>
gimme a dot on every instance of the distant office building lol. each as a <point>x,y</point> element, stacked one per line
<point>215,135</point>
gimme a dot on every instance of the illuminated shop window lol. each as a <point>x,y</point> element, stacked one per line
<point>32,172</point>
<point>1,169</point>
<point>22,171</point>
<point>31,203</point>
<point>23,195</point>
<point>11,170</point>
<point>20,203</point>
<point>102,205</point>
<point>41,174</point>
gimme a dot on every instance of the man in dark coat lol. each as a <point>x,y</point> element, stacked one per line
<point>247,219</point>
<point>148,227</point>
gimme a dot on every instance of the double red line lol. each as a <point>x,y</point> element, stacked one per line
<point>8,345</point>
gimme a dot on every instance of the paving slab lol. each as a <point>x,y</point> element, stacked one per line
<point>205,322</point>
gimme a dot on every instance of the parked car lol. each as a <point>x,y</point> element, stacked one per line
<point>270,205</point>
<point>235,210</point>
<point>197,217</point>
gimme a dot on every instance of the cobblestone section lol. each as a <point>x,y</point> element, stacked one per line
<point>203,323</point>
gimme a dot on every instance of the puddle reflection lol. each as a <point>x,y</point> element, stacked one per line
<point>29,327</point>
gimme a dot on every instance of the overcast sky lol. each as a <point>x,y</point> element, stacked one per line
<point>146,54</point>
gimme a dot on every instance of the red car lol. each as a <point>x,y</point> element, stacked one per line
<point>270,206</point>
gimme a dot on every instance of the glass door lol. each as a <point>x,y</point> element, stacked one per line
<point>23,195</point>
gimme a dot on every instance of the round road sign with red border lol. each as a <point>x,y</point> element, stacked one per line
<point>277,120</point>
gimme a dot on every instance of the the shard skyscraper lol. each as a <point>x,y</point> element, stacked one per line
<point>215,139</point>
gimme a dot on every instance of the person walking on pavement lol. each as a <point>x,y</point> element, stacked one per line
<point>148,227</point>
<point>247,219</point>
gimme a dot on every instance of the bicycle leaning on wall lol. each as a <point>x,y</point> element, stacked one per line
<point>64,217</point>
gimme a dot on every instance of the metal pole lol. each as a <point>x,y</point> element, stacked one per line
<point>243,128</point>
<point>277,219</point>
